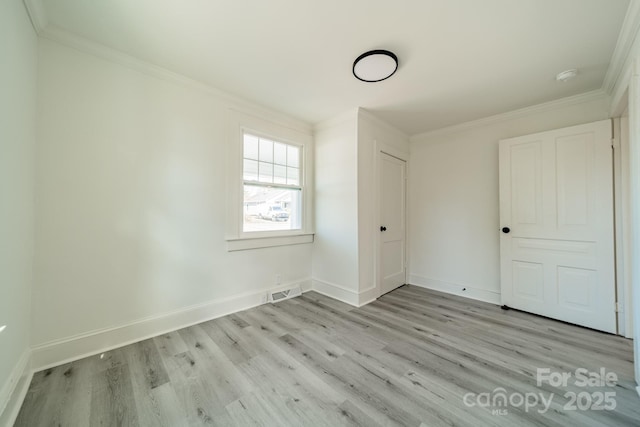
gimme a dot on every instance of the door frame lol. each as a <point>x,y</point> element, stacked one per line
<point>383,148</point>
<point>622,224</point>
<point>629,98</point>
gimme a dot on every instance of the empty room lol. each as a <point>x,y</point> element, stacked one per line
<point>319,213</point>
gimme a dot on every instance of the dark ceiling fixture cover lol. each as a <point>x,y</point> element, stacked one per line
<point>375,65</point>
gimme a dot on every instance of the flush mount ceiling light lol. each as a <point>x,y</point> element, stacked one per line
<point>567,75</point>
<point>375,65</point>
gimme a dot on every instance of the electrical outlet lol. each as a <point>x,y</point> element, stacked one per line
<point>278,279</point>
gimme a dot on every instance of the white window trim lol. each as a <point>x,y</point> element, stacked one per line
<point>236,238</point>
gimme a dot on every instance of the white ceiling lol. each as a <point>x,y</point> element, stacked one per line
<point>459,59</point>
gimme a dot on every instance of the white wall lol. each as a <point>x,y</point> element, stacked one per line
<point>18,50</point>
<point>131,200</point>
<point>344,257</point>
<point>335,249</point>
<point>373,135</point>
<point>453,199</point>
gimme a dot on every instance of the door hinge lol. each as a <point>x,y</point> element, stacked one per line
<point>615,143</point>
<point>619,308</point>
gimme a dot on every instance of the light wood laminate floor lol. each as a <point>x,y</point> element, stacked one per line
<point>411,358</point>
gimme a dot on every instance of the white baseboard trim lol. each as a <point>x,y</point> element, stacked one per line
<point>456,289</point>
<point>332,290</point>
<point>340,293</point>
<point>368,296</point>
<point>76,347</point>
<point>15,389</point>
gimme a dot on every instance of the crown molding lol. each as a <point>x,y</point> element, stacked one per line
<point>622,63</point>
<point>98,50</point>
<point>624,46</point>
<point>614,84</point>
<point>349,116</point>
<point>372,118</point>
<point>593,95</point>
<point>37,14</point>
<point>353,115</point>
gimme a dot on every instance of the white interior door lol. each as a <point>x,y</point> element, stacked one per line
<point>556,210</point>
<point>392,222</point>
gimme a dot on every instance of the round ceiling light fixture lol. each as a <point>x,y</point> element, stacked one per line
<point>375,65</point>
<point>567,75</point>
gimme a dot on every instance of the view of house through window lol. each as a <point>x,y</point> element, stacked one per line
<point>272,177</point>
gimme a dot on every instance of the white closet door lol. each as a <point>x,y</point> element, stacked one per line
<point>392,228</point>
<point>556,213</point>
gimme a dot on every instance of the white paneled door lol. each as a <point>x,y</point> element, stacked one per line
<point>392,220</point>
<point>556,213</point>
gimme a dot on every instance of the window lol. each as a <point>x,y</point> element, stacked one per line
<point>269,196</point>
<point>272,178</point>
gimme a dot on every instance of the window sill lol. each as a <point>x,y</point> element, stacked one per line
<point>267,242</point>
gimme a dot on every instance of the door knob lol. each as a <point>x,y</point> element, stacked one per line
<point>506,230</point>
<point>383,228</point>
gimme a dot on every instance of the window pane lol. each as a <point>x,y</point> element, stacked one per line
<point>266,172</point>
<point>250,170</point>
<point>269,162</point>
<point>269,209</point>
<point>279,174</point>
<point>293,176</point>
<point>279,153</point>
<point>266,150</point>
<point>250,147</point>
<point>293,156</point>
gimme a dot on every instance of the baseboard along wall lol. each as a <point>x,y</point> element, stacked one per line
<point>87,344</point>
<point>15,389</point>
<point>491,297</point>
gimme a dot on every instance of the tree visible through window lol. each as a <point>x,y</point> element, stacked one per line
<point>272,175</point>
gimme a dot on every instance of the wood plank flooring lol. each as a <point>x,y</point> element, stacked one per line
<point>412,358</point>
